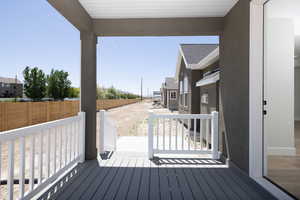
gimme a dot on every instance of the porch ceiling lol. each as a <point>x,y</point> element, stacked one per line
<point>145,17</point>
<point>124,9</point>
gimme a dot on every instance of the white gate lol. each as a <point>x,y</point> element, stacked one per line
<point>107,133</point>
<point>183,134</point>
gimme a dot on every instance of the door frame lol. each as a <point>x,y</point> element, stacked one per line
<point>256,89</point>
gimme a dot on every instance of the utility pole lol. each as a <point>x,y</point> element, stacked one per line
<point>15,87</point>
<point>142,89</point>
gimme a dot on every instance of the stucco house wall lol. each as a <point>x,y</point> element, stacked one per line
<point>234,82</point>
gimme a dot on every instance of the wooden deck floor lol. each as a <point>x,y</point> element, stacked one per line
<point>126,176</point>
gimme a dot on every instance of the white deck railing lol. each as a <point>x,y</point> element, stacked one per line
<point>183,134</point>
<point>38,154</point>
<point>107,132</point>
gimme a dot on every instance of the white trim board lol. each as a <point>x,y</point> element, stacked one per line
<point>255,100</point>
<point>210,79</point>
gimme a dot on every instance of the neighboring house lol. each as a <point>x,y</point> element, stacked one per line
<point>169,93</point>
<point>197,65</point>
<point>193,61</point>
<point>10,87</point>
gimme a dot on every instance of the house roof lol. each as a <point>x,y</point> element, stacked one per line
<point>194,53</point>
<point>9,80</point>
<point>197,56</point>
<point>170,83</point>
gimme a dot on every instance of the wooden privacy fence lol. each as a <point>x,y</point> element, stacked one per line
<point>20,114</point>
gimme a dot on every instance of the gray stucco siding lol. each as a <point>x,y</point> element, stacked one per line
<point>234,62</point>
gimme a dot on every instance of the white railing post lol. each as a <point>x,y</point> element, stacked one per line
<point>215,134</point>
<point>150,135</point>
<point>82,136</point>
<point>10,174</point>
<point>101,130</point>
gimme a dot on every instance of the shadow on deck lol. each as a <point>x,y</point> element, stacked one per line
<point>135,177</point>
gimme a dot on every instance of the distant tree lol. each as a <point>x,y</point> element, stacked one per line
<point>74,92</point>
<point>101,93</point>
<point>58,84</point>
<point>112,93</point>
<point>34,83</point>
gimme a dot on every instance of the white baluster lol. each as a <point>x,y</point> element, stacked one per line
<point>70,142</point>
<point>182,135</point>
<point>60,146</point>
<point>215,135</point>
<point>32,161</point>
<point>195,131</point>
<point>207,134</point>
<point>66,145</point>
<point>22,167</point>
<point>48,150</point>
<point>150,136</point>
<point>10,174</point>
<point>176,132</point>
<point>157,133</point>
<point>189,136</point>
<point>201,134</point>
<point>55,150</point>
<point>82,136</point>
<point>164,134</point>
<point>170,133</point>
<point>40,158</point>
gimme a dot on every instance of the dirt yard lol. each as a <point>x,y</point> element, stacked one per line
<point>131,120</point>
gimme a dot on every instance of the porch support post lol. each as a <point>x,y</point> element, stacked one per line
<point>88,91</point>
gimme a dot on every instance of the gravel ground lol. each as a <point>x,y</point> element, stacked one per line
<point>131,120</point>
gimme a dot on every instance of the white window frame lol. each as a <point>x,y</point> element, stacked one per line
<point>256,146</point>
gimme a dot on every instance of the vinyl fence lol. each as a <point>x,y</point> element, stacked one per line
<point>20,114</point>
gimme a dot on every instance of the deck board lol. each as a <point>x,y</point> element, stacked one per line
<point>194,186</point>
<point>220,182</point>
<point>154,190</point>
<point>112,172</point>
<point>85,176</point>
<point>145,186</point>
<point>133,191</point>
<point>96,183</point>
<point>134,177</point>
<point>164,184</point>
<point>126,182</point>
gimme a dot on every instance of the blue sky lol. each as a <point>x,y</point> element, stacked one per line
<point>35,34</point>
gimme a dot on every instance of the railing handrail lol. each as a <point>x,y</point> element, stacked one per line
<point>31,130</point>
<point>182,116</point>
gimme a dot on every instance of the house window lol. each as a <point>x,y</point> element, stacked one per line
<point>186,99</point>
<point>173,95</point>
<point>185,91</point>
<point>185,84</point>
<point>181,87</point>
